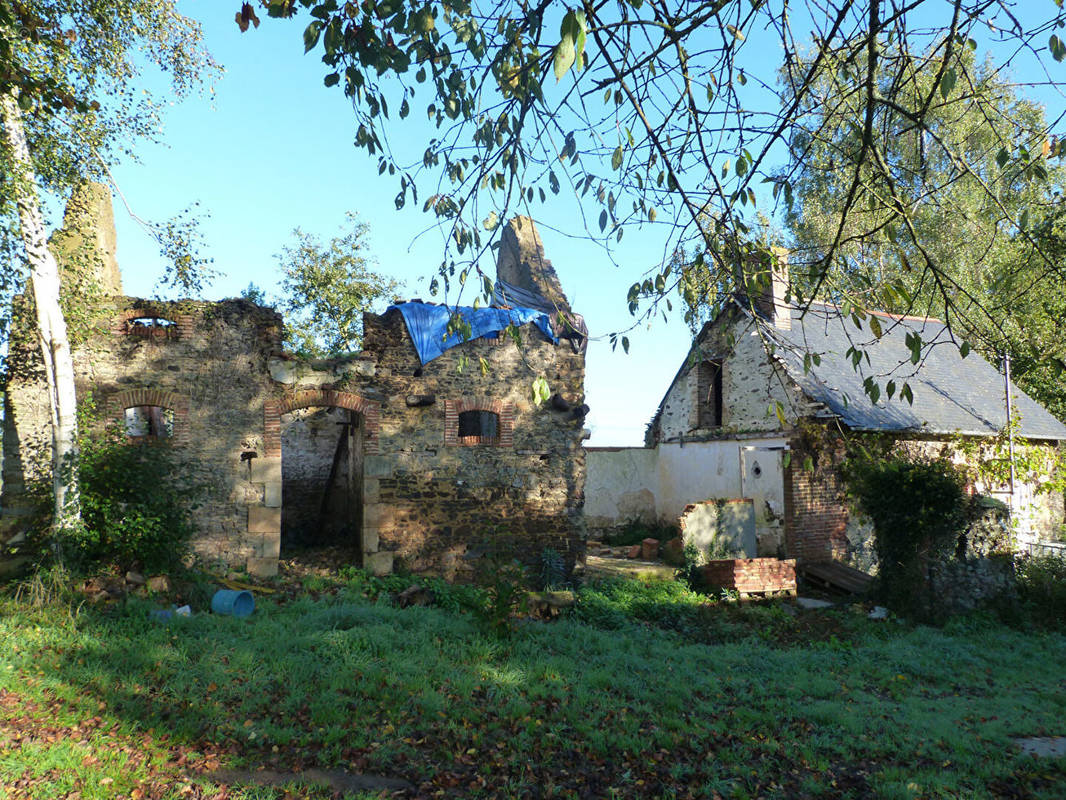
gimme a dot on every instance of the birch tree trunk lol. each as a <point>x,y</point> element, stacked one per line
<point>51,326</point>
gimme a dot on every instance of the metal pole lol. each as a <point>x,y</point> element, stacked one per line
<point>1010,425</point>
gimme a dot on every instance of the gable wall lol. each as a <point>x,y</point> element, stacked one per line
<point>751,382</point>
<point>435,503</point>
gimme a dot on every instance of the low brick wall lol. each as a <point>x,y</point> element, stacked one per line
<point>749,575</point>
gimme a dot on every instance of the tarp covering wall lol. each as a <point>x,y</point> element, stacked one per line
<point>428,324</point>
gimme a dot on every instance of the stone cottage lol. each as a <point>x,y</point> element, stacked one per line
<point>763,404</point>
<point>423,451</point>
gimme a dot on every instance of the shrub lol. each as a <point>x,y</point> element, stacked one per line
<point>1041,583</point>
<point>552,569</point>
<point>919,512</point>
<point>137,506</point>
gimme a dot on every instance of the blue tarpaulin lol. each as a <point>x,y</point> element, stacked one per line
<point>428,324</point>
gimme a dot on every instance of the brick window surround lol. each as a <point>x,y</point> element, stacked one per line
<point>181,329</point>
<point>505,431</point>
<point>325,398</point>
<point>132,398</point>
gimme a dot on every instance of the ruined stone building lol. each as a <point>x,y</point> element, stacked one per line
<point>763,404</point>
<point>415,452</point>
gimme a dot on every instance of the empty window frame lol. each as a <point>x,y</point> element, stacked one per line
<point>149,422</point>
<point>150,327</point>
<point>709,387</point>
<point>479,427</point>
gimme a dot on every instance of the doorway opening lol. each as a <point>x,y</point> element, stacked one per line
<point>322,454</point>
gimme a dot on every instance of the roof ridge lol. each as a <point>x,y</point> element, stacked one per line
<point>876,311</point>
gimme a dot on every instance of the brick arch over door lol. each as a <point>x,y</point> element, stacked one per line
<point>131,398</point>
<point>273,409</point>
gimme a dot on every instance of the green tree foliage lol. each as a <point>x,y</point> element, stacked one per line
<point>76,68</point>
<point>974,190</point>
<point>667,113</point>
<point>327,285</point>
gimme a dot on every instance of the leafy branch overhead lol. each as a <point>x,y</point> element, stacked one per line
<point>672,114</point>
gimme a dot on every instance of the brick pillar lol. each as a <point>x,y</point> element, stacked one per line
<point>816,511</point>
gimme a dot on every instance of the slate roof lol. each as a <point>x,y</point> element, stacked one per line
<point>952,394</point>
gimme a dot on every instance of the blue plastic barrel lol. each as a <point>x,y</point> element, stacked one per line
<point>237,603</point>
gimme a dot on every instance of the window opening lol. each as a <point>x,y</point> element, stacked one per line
<point>710,394</point>
<point>484,425</point>
<point>149,422</point>
<point>151,327</point>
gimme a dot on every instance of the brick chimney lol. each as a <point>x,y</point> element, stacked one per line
<point>768,287</point>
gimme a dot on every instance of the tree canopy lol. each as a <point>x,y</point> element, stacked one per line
<point>949,193</point>
<point>76,69</point>
<point>326,287</point>
<point>669,113</point>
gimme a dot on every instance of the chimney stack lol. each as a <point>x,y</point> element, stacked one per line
<point>769,287</point>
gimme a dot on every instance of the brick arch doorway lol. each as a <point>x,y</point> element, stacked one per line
<point>322,437</point>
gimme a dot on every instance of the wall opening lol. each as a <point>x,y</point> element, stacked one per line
<point>151,327</point>
<point>710,394</point>
<point>322,452</point>
<point>149,422</point>
<point>479,427</point>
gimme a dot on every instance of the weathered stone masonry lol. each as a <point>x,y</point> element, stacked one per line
<point>431,500</point>
<point>423,496</point>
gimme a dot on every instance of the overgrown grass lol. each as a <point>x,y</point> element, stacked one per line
<point>739,702</point>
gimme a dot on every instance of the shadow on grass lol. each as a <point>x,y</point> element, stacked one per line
<point>615,708</point>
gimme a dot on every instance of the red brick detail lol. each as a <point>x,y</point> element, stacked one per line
<point>131,398</point>
<point>311,398</point>
<point>453,408</point>
<point>746,575</point>
<point>182,328</point>
<point>816,510</point>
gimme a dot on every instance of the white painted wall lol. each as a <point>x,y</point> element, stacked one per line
<point>620,485</point>
<point>698,471</point>
<point>627,483</point>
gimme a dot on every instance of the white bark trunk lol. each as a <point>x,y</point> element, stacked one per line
<point>51,326</point>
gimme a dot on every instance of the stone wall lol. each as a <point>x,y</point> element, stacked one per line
<point>751,383</point>
<point>209,369</point>
<point>823,523</point>
<point>432,501</point>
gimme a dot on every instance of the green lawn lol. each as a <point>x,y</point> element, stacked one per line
<point>642,692</point>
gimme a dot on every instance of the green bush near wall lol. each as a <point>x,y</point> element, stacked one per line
<point>919,512</point>
<point>137,503</point>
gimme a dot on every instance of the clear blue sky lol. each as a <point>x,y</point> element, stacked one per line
<point>272,150</point>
